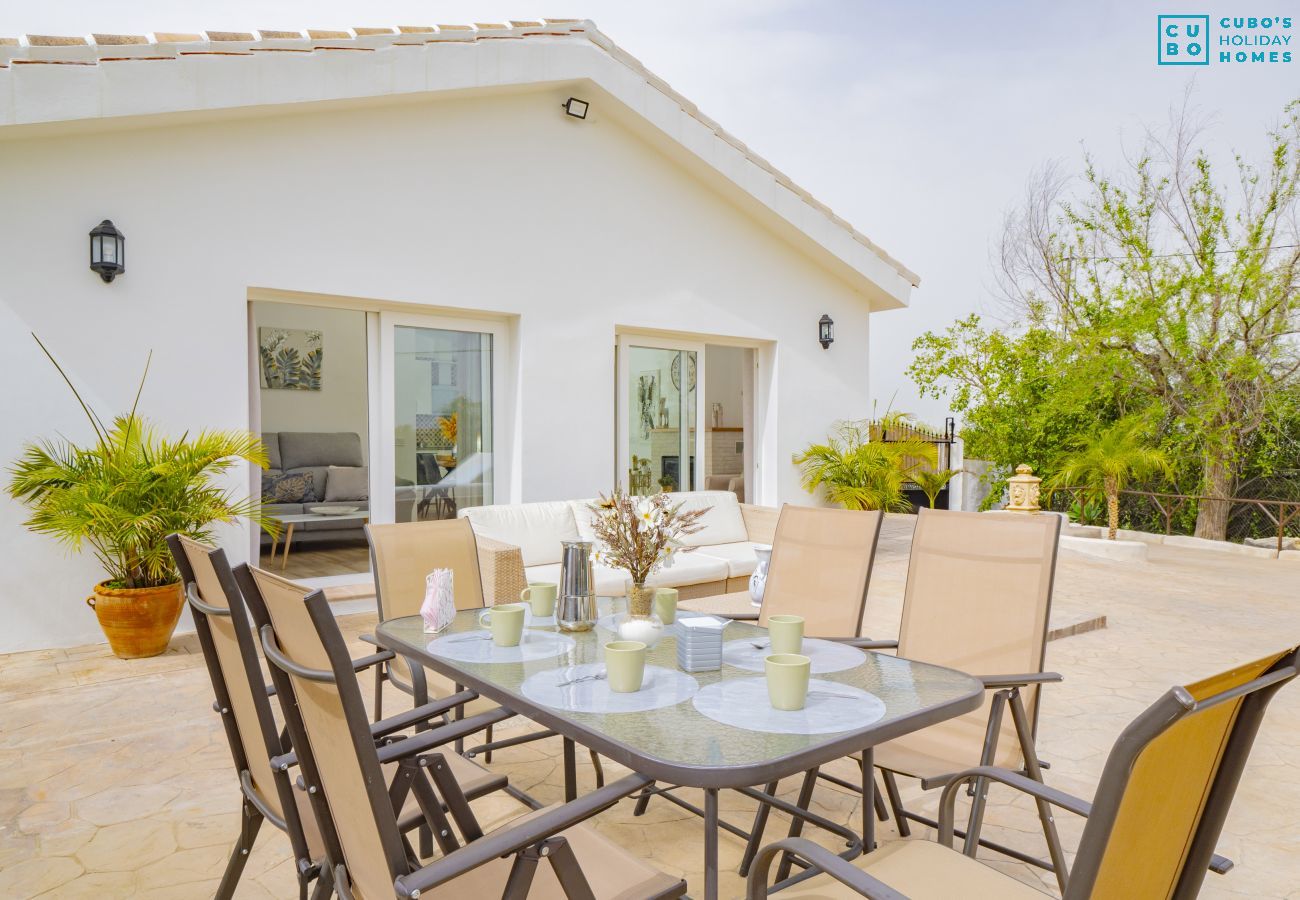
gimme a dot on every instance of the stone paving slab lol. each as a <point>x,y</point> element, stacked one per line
<point>115,779</point>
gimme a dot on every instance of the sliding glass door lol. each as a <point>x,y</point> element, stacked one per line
<point>660,426</point>
<point>440,378</point>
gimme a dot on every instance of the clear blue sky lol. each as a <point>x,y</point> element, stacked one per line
<point>918,122</point>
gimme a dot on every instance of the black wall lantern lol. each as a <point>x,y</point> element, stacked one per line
<point>826,331</point>
<point>107,250</point>
<point>576,108</point>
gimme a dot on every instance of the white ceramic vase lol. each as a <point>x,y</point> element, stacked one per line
<point>758,581</point>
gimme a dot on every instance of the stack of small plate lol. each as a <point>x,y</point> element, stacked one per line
<point>699,643</point>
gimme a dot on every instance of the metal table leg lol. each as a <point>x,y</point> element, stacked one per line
<point>868,800</point>
<point>711,844</point>
<point>570,772</point>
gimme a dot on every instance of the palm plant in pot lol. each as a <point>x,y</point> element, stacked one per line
<point>121,495</point>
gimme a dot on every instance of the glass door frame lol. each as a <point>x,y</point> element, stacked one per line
<point>622,408</point>
<point>383,470</point>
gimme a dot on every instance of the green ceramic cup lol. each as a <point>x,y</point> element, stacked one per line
<point>666,605</point>
<point>540,595</point>
<point>625,665</point>
<point>507,623</point>
<point>785,633</point>
<point>787,680</point>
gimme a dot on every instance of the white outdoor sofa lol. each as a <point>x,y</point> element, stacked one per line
<point>520,543</point>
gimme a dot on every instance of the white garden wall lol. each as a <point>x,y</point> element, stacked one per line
<point>493,203</point>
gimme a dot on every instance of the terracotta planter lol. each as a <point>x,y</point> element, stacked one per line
<point>138,622</point>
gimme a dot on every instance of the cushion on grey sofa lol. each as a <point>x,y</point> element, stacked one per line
<point>271,440</point>
<point>291,487</point>
<point>300,449</point>
<point>347,483</point>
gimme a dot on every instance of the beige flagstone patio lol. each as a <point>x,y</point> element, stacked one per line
<point>115,778</point>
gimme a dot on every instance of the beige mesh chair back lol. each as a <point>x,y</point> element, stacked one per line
<point>978,597</point>
<point>401,556</point>
<point>1158,813</point>
<point>404,553</point>
<point>230,651</point>
<point>820,568</point>
<point>331,711</point>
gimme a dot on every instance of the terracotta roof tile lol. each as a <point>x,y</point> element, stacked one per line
<point>118,39</point>
<point>55,40</point>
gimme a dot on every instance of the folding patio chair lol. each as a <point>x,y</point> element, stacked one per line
<point>820,569</point>
<point>368,856</point>
<point>1152,825</point>
<point>244,702</point>
<point>401,556</point>
<point>978,599</point>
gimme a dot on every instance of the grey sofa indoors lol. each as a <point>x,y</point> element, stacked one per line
<point>314,452</point>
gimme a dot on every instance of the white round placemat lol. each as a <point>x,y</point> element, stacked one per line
<point>477,647</point>
<point>826,656</point>
<point>660,687</point>
<point>743,703</point>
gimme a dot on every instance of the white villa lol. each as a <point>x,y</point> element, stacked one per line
<point>531,268</point>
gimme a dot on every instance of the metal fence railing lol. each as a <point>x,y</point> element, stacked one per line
<point>1169,513</point>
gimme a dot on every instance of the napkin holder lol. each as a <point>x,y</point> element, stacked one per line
<point>439,606</point>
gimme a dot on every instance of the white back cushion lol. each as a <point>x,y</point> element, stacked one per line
<point>722,524</point>
<point>583,516</point>
<point>535,528</point>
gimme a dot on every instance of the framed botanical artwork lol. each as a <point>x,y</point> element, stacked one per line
<point>291,358</point>
<point>647,397</point>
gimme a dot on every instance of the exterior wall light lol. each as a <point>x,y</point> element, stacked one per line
<point>107,250</point>
<point>826,331</point>
<point>576,108</point>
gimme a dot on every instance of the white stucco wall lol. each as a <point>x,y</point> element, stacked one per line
<point>494,203</point>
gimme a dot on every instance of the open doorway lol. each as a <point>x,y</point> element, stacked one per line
<point>729,421</point>
<point>313,412</point>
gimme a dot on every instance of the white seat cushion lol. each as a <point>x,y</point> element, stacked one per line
<point>722,524</point>
<point>582,515</point>
<point>740,557</point>
<point>535,528</point>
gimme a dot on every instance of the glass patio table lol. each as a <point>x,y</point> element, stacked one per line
<point>677,744</point>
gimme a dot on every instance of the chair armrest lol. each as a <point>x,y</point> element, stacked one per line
<point>840,869</point>
<point>365,662</point>
<point>867,643</point>
<point>420,714</point>
<point>1028,678</point>
<point>512,838</point>
<point>948,798</point>
<point>760,522</point>
<point>423,741</point>
<point>501,566</point>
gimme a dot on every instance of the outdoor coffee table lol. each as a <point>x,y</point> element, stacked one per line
<point>677,744</point>
<point>298,518</point>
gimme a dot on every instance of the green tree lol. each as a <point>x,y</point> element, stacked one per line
<point>860,473</point>
<point>1160,288</point>
<point>1108,459</point>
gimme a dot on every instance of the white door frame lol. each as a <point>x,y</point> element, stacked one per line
<point>383,463</point>
<point>623,457</point>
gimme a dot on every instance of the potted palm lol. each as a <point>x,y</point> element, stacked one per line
<point>1106,460</point>
<point>858,472</point>
<point>121,496</point>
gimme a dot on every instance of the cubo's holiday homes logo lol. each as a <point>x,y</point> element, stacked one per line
<point>1186,40</point>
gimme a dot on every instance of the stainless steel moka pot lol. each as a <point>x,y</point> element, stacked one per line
<point>575,607</point>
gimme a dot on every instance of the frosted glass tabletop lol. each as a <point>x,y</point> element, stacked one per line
<point>678,744</point>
